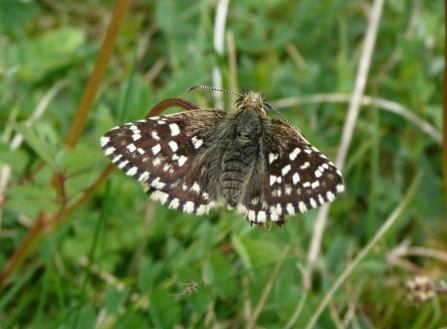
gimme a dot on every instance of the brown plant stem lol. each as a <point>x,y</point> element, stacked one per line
<point>25,246</point>
<point>444,116</point>
<point>98,73</point>
<point>99,70</point>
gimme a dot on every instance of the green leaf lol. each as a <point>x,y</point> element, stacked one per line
<point>14,13</point>
<point>116,295</point>
<point>243,253</point>
<point>17,159</point>
<point>255,253</point>
<point>49,52</point>
<point>35,143</point>
<point>31,199</point>
<point>165,313</point>
<point>219,273</point>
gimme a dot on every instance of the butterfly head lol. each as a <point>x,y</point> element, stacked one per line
<point>255,100</point>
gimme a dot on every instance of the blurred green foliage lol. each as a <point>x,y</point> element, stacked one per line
<point>118,261</point>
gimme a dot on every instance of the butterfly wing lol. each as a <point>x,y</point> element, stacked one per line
<point>293,177</point>
<point>163,153</point>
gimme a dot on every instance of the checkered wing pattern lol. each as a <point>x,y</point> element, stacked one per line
<point>163,153</point>
<point>295,178</point>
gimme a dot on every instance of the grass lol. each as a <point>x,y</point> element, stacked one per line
<point>83,247</point>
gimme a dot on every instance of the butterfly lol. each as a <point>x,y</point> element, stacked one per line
<point>201,159</point>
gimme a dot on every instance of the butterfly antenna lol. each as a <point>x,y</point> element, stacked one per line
<point>195,88</point>
<point>284,118</point>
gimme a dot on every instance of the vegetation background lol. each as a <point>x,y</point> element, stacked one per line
<point>79,250</point>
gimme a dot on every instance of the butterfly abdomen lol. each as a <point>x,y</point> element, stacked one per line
<point>242,148</point>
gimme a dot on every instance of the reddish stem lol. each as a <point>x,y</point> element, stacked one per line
<point>171,102</point>
<point>25,246</point>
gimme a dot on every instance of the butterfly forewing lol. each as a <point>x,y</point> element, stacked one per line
<point>160,151</point>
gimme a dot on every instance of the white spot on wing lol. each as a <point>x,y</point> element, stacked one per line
<point>175,129</point>
<point>305,165</point>
<point>155,135</point>
<point>156,149</point>
<point>296,178</point>
<point>273,157</point>
<point>132,171</point>
<point>174,203</point>
<point>295,153</point>
<point>131,147</point>
<point>241,209</point>
<point>104,140</point>
<point>109,150</point>
<point>156,161</point>
<point>202,209</point>
<point>123,164</point>
<point>188,207</point>
<point>251,215</point>
<point>143,177</point>
<point>195,187</point>
<point>302,207</point>
<point>330,196</point>
<point>173,145</point>
<point>321,199</point>
<point>315,184</point>
<point>157,184</point>
<point>290,209</point>
<point>196,142</point>
<point>286,169</point>
<point>160,196</point>
<point>182,160</point>
<point>136,137</point>
<point>262,216</point>
<point>116,159</point>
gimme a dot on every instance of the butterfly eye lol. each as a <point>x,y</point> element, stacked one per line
<point>239,101</point>
<point>267,107</point>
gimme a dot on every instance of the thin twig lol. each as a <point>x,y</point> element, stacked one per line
<point>232,62</point>
<point>384,104</point>
<point>348,129</point>
<point>267,290</point>
<point>219,39</point>
<point>444,116</point>
<point>99,70</point>
<point>376,238</point>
